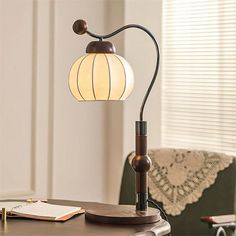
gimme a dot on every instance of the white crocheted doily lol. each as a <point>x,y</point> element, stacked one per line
<point>178,176</point>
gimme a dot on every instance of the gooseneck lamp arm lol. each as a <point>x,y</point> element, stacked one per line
<point>141,163</point>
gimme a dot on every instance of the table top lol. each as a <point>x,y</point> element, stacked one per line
<point>76,225</point>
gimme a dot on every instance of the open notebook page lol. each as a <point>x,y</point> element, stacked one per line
<point>45,210</point>
<point>11,205</point>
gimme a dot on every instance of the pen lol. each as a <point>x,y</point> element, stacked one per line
<point>4,215</point>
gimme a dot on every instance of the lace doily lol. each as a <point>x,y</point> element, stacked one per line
<point>178,176</point>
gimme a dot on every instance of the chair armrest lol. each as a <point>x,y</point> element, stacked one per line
<point>220,223</point>
<point>221,219</point>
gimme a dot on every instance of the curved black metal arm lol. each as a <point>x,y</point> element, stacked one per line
<point>101,37</point>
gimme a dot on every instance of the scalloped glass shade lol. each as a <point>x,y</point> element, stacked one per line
<point>101,77</point>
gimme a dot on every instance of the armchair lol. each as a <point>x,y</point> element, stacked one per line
<point>216,199</point>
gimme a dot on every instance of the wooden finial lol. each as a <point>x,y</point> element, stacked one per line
<point>80,27</point>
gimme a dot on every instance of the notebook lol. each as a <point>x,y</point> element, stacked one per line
<point>40,210</point>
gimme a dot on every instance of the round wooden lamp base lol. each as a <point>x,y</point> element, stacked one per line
<point>121,214</point>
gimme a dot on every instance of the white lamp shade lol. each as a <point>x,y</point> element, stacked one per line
<point>99,76</point>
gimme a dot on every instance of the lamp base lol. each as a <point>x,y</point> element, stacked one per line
<point>121,214</point>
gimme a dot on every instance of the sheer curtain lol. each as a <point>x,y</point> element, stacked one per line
<point>199,74</point>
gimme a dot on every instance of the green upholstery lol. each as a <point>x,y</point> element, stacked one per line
<point>218,199</point>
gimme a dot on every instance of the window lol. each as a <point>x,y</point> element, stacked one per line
<point>199,75</point>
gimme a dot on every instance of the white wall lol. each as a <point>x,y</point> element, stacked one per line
<point>79,137</point>
<point>139,51</point>
<point>16,86</point>
<point>115,19</point>
<point>51,145</point>
<point>55,146</point>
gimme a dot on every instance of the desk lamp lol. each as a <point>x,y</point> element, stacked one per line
<point>101,75</point>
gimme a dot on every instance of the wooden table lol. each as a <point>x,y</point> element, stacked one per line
<point>76,226</point>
